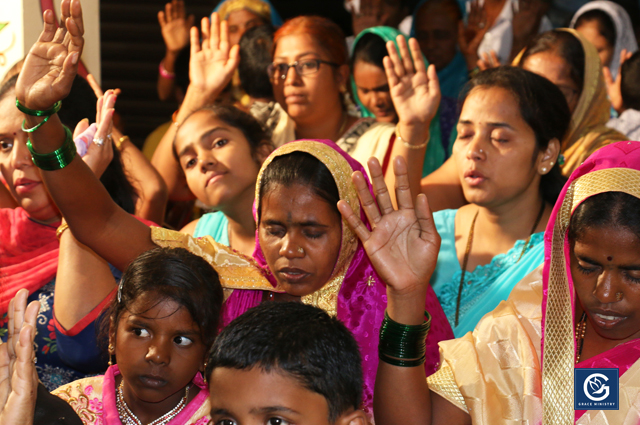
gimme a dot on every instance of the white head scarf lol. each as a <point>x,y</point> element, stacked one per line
<point>625,38</point>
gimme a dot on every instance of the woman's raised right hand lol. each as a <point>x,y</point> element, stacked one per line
<point>212,62</point>
<point>52,62</point>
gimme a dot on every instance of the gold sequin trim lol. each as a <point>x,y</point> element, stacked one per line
<point>444,384</point>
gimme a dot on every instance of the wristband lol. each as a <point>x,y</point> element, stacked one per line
<point>57,159</point>
<point>37,126</point>
<point>409,145</point>
<point>164,73</point>
<point>403,345</point>
<point>36,113</point>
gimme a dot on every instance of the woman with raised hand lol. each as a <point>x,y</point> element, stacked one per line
<point>306,253</point>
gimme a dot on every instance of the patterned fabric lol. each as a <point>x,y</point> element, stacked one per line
<point>587,132</point>
<point>523,351</point>
<point>354,292</point>
<point>485,286</point>
<point>94,400</point>
<point>625,37</point>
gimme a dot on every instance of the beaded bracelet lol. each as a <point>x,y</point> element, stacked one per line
<point>57,159</point>
<point>164,73</point>
<point>403,345</point>
<point>409,145</point>
<point>36,113</point>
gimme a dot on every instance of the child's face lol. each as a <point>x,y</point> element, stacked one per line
<point>253,396</point>
<point>158,350</point>
<point>217,161</point>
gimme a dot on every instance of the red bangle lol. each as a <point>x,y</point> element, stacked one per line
<point>164,73</point>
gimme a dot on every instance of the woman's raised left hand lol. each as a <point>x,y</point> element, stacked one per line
<point>52,62</point>
<point>403,245</point>
<point>415,90</point>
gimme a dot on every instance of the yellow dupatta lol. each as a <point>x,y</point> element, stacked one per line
<point>587,132</point>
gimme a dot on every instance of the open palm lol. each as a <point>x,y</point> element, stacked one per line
<point>52,62</point>
<point>415,91</point>
<point>403,245</point>
<point>212,63</point>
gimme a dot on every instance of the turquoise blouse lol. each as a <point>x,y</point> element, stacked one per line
<point>214,224</point>
<point>485,286</point>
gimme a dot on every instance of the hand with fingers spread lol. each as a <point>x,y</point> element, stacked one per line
<point>175,26</point>
<point>403,245</point>
<point>414,89</point>
<point>18,377</point>
<point>213,61</point>
<point>100,150</point>
<point>613,86</point>
<point>470,35</point>
<point>52,62</point>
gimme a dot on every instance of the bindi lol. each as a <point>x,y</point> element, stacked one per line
<point>609,258</point>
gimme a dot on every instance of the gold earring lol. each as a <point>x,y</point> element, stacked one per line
<point>111,350</point>
<point>543,170</point>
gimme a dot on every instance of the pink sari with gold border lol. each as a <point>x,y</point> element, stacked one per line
<point>517,366</point>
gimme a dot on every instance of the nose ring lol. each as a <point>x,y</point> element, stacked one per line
<point>619,296</point>
<point>301,250</point>
<point>481,151</point>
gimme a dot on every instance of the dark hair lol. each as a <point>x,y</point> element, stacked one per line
<point>8,86</point>
<point>630,82</point>
<point>371,48</point>
<point>300,168</point>
<point>608,209</point>
<point>251,129</point>
<point>606,27</point>
<point>80,103</point>
<point>450,5</point>
<point>563,44</point>
<point>181,68</point>
<point>542,106</point>
<point>297,340</point>
<point>255,57</point>
<point>175,274</point>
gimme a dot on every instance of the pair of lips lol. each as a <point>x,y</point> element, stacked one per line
<point>24,185</point>
<point>606,319</point>
<point>474,177</point>
<point>152,381</point>
<point>215,177</point>
<point>293,274</point>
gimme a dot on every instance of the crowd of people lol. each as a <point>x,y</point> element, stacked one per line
<point>432,229</point>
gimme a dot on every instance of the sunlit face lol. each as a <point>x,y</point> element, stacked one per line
<point>555,69</point>
<point>300,235</point>
<point>373,91</point>
<point>495,152</point>
<point>23,178</point>
<point>159,350</point>
<point>437,33</point>
<point>239,22</point>
<point>253,396</point>
<point>216,159</point>
<point>605,267</point>
<point>591,31</point>
<point>309,99</point>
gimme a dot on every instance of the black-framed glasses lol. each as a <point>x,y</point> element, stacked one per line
<point>303,67</point>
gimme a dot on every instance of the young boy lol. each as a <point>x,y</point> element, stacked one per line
<point>628,122</point>
<point>285,362</point>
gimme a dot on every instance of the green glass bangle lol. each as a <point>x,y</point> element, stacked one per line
<point>36,113</point>
<point>403,345</point>
<point>57,159</point>
<point>34,128</point>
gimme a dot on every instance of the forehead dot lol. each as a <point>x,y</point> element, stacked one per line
<point>609,258</point>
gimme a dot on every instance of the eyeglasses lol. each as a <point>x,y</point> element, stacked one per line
<point>305,67</point>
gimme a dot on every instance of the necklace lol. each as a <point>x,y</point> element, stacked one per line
<point>581,329</point>
<point>467,251</point>
<point>129,418</point>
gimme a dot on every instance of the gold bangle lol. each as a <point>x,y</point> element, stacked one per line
<point>409,145</point>
<point>120,141</point>
<point>60,230</point>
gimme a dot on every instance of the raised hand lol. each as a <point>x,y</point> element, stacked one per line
<point>18,377</point>
<point>213,62</point>
<point>403,245</point>
<point>471,35</point>
<point>415,91</point>
<point>175,25</point>
<point>613,86</point>
<point>52,62</point>
<point>100,154</point>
